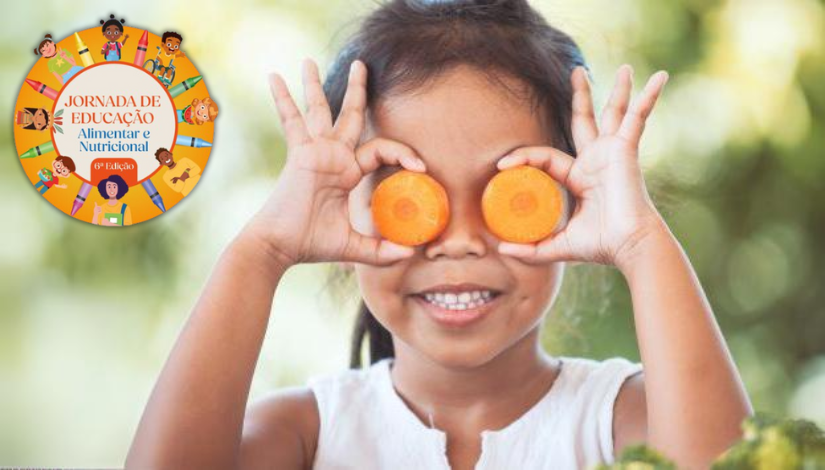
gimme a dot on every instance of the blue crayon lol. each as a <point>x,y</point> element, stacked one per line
<point>195,142</point>
<point>153,194</point>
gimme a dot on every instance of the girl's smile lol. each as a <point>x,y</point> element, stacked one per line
<point>457,305</point>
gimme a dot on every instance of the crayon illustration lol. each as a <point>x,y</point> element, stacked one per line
<point>83,51</point>
<point>63,168</point>
<point>199,112</point>
<point>61,63</point>
<point>194,142</point>
<point>44,90</point>
<point>183,86</point>
<point>182,175</point>
<point>41,149</point>
<point>140,55</point>
<point>153,193</point>
<point>82,194</point>
<point>112,30</point>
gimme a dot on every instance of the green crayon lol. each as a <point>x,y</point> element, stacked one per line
<point>39,150</point>
<point>184,85</point>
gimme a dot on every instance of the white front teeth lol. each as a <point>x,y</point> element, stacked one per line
<point>459,300</point>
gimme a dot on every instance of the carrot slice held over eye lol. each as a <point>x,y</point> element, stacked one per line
<point>410,208</point>
<point>523,205</point>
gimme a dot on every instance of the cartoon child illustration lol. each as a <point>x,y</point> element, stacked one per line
<point>113,212</point>
<point>37,119</point>
<point>112,30</point>
<point>61,63</point>
<point>182,175</point>
<point>63,167</point>
<point>170,49</point>
<point>199,112</point>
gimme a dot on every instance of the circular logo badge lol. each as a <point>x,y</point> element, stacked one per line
<point>114,125</point>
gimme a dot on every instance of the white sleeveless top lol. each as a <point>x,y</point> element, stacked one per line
<point>365,425</point>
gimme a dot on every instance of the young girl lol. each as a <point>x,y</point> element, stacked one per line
<point>459,90</point>
<point>61,63</point>
<point>112,30</point>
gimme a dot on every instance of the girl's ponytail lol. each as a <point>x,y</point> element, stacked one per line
<point>380,340</point>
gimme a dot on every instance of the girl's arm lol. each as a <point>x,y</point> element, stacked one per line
<point>195,415</point>
<point>690,402</point>
<point>695,399</point>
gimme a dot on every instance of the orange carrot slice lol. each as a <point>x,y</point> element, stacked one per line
<point>410,208</point>
<point>523,204</point>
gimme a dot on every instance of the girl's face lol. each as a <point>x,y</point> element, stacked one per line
<point>48,49</point>
<point>201,111</point>
<point>460,126</point>
<point>39,119</point>
<point>112,33</point>
<point>111,189</point>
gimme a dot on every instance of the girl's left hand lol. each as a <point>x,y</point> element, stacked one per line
<point>613,211</point>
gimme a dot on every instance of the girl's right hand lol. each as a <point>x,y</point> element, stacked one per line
<point>306,219</point>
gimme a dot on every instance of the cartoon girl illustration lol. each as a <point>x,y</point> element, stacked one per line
<point>60,63</point>
<point>113,212</point>
<point>112,30</point>
<point>38,119</point>
<point>199,112</point>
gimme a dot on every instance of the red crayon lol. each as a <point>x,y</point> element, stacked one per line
<point>141,49</point>
<point>49,93</point>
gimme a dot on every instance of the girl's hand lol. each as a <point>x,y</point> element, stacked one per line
<point>306,219</point>
<point>613,210</point>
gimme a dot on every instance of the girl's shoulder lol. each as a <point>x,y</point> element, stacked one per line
<point>281,430</point>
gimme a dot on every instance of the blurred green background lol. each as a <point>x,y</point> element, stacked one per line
<point>734,156</point>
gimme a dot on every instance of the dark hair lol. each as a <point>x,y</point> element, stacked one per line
<point>122,187</point>
<point>33,111</point>
<point>171,34</point>
<point>112,21</point>
<point>48,39</point>
<point>159,151</point>
<point>405,44</point>
<point>69,163</point>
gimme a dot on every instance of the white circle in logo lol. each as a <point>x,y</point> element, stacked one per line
<point>114,111</point>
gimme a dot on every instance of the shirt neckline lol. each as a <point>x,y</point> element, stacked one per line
<point>400,408</point>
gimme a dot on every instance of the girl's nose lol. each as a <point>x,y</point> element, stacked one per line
<point>465,234</point>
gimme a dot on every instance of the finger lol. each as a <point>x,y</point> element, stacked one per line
<point>379,151</point>
<point>294,129</point>
<point>552,160</point>
<point>584,121</point>
<point>369,250</point>
<point>318,117</point>
<point>619,99</point>
<point>634,121</point>
<point>350,120</point>
<point>553,249</point>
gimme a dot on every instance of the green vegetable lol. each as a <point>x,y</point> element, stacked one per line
<point>767,443</point>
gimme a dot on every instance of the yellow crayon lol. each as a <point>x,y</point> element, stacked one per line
<point>83,51</point>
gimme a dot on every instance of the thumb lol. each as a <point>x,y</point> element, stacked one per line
<point>550,250</point>
<point>370,250</point>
